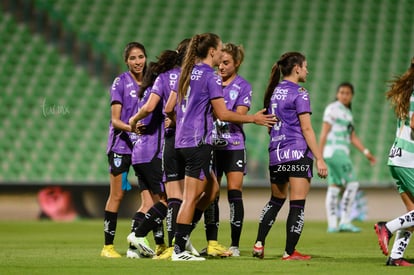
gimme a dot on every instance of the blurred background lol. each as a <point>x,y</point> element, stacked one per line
<point>58,59</point>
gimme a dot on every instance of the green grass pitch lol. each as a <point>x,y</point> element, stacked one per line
<point>45,247</point>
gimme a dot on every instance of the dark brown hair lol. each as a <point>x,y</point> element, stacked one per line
<point>166,61</point>
<point>199,46</point>
<point>283,66</point>
<point>400,92</point>
<point>128,49</point>
<point>350,86</point>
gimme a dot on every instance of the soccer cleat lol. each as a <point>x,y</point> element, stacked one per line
<point>109,251</point>
<point>165,255</point>
<point>142,244</point>
<point>295,256</point>
<point>398,262</point>
<point>349,227</point>
<point>234,251</point>
<point>332,230</point>
<point>215,249</point>
<point>258,250</point>
<point>203,252</point>
<point>159,249</point>
<point>190,248</point>
<point>384,236</point>
<point>133,253</point>
<point>185,256</point>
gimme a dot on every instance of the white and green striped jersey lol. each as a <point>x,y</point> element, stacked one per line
<point>339,137</point>
<point>402,150</point>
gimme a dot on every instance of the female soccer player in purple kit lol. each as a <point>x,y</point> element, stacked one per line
<point>163,85</point>
<point>292,148</point>
<point>230,151</point>
<point>146,160</point>
<point>119,149</point>
<point>199,93</point>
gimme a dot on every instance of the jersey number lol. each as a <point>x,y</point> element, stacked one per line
<point>185,101</point>
<point>278,124</point>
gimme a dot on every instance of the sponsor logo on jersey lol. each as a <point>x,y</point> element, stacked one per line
<point>280,94</point>
<point>218,81</point>
<point>115,83</point>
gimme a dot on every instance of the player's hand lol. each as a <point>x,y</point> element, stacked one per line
<point>268,120</point>
<point>321,168</point>
<point>133,124</point>
<point>168,123</point>
<point>371,158</point>
<point>140,128</point>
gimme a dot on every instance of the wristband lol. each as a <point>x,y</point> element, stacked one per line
<point>365,151</point>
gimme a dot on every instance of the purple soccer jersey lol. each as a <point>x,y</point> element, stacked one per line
<point>148,145</point>
<point>195,113</point>
<point>165,83</point>
<point>123,91</point>
<point>287,143</point>
<point>237,93</point>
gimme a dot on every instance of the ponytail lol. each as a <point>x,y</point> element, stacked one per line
<point>166,61</point>
<point>148,79</point>
<point>273,81</point>
<point>198,48</point>
<point>182,50</point>
<point>283,66</point>
<point>187,67</point>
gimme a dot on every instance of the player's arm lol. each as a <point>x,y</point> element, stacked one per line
<point>240,110</point>
<point>117,123</point>
<point>309,135</point>
<point>170,105</point>
<point>326,128</point>
<point>412,122</point>
<point>145,110</point>
<point>224,114</point>
<point>358,144</point>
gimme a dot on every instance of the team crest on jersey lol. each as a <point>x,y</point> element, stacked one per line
<point>302,90</point>
<point>233,94</point>
<point>117,162</point>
